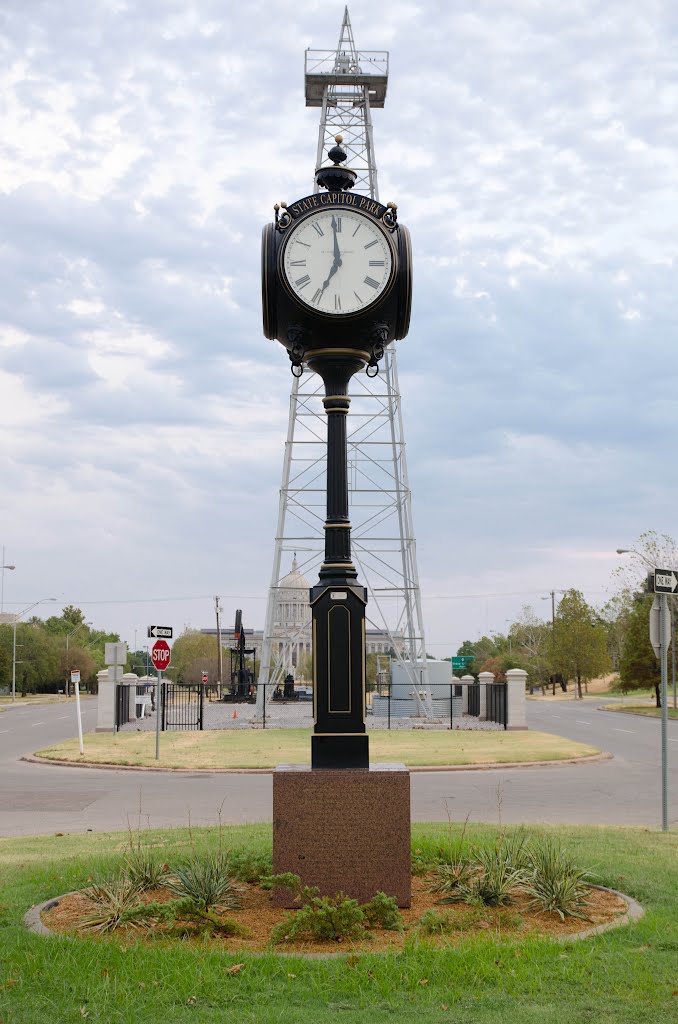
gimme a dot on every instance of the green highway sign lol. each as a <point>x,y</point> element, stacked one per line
<point>461,660</point>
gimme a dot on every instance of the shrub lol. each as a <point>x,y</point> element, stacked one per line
<point>204,879</point>
<point>322,918</point>
<point>382,912</point>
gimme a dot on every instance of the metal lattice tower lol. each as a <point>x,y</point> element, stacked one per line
<point>347,84</point>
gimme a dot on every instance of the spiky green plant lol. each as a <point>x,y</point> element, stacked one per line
<point>113,901</point>
<point>205,880</point>
<point>452,881</point>
<point>554,882</point>
<point>143,867</point>
<point>498,877</point>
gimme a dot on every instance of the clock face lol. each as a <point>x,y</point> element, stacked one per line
<point>337,262</point>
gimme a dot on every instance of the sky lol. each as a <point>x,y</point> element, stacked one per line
<point>531,147</point>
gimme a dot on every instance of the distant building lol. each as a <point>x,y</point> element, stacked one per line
<point>293,624</point>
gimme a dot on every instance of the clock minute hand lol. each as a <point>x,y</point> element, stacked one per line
<point>337,259</point>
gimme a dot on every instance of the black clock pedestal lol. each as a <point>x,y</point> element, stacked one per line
<point>338,601</point>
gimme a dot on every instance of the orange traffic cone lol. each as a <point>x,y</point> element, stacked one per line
<point>235,714</point>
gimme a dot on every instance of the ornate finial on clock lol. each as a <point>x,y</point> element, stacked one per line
<point>336,178</point>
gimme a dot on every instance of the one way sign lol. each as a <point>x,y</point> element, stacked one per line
<point>665,581</point>
<point>163,631</point>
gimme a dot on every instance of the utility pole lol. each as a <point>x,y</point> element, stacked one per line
<point>220,653</point>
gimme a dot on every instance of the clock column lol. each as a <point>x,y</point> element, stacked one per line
<point>338,601</point>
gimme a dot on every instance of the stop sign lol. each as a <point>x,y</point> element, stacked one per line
<point>204,677</point>
<point>160,655</point>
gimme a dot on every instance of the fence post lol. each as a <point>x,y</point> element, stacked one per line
<point>516,705</point>
<point>202,705</point>
<point>485,679</point>
<point>451,702</point>
<point>389,704</point>
<point>264,708</point>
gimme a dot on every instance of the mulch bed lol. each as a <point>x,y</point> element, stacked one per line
<point>257,917</point>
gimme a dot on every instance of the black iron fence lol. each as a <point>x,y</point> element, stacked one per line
<point>485,701</point>
<point>182,706</point>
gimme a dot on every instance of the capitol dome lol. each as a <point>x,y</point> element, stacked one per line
<point>294,580</point>
<point>293,610</point>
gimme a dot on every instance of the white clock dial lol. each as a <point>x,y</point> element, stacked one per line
<point>337,261</point>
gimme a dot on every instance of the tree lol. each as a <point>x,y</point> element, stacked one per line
<point>531,643</point>
<point>194,653</point>
<point>651,549</point>
<point>638,665</point>
<point>615,617</point>
<point>579,642</point>
<point>37,659</point>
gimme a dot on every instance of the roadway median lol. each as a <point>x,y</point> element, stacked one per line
<point>262,750</point>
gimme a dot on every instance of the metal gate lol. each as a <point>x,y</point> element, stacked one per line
<point>182,706</point>
<point>474,699</point>
<point>121,705</point>
<point>496,703</point>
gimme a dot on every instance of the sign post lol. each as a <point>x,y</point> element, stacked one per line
<point>75,679</point>
<point>665,582</point>
<point>160,656</point>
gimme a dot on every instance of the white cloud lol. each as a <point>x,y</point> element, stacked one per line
<point>532,152</point>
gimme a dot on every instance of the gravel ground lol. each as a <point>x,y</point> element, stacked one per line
<point>300,716</point>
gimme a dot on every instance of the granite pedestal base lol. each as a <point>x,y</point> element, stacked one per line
<point>343,831</point>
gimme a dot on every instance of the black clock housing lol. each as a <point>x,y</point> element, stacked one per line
<point>301,328</point>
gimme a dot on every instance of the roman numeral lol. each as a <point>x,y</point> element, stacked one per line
<point>338,220</point>
<point>301,282</point>
<point>370,281</point>
<point>316,297</point>
<point>305,244</point>
<point>358,298</point>
<point>370,244</point>
<point>377,263</point>
<point>301,263</point>
<point>318,230</point>
<point>337,302</point>
<point>356,231</point>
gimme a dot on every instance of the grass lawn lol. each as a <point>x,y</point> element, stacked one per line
<point>641,709</point>
<point>626,976</point>
<point>252,748</point>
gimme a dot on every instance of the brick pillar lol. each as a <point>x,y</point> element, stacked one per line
<point>516,711</point>
<point>466,680</point>
<point>105,702</point>
<point>484,677</point>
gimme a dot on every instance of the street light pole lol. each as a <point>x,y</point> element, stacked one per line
<point>663,648</point>
<point>2,585</point>
<point>16,619</point>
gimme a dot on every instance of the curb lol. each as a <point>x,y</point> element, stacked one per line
<point>634,714</point>
<point>603,755</point>
<point>634,911</point>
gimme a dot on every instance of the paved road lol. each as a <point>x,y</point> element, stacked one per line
<point>36,799</point>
